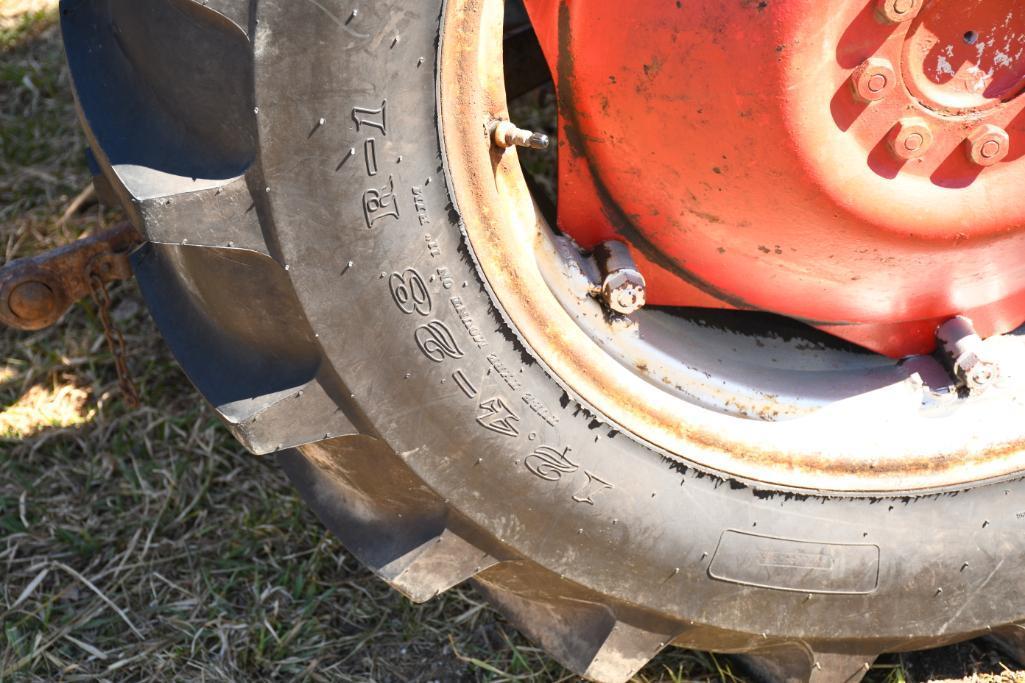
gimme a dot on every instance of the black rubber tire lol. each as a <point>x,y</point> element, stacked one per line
<point>423,431</point>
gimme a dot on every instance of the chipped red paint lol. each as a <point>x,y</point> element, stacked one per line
<point>743,152</point>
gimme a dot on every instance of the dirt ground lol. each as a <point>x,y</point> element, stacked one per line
<point>145,545</point>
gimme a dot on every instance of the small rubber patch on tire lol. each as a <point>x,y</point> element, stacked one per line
<point>795,565</point>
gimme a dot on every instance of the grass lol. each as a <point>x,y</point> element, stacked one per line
<point>145,545</point>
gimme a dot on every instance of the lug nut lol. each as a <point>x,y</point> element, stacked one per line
<point>873,80</point>
<point>623,287</point>
<point>911,139</point>
<point>624,291</point>
<point>963,352</point>
<point>506,134</point>
<point>897,11</point>
<point>988,145</point>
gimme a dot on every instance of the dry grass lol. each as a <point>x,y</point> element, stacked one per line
<point>43,408</point>
<point>146,545</point>
<point>14,13</point>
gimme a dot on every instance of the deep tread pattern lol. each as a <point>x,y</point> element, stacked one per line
<point>385,516</point>
<point>288,419</point>
<point>233,323</point>
<point>799,663</point>
<point>575,626</point>
<point>439,564</point>
<point>1010,640</point>
<point>223,216</point>
<point>162,120</point>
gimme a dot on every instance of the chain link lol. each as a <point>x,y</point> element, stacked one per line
<point>115,340</point>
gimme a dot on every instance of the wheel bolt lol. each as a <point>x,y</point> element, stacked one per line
<point>623,288</point>
<point>506,134</point>
<point>873,80</point>
<point>911,139</point>
<point>964,353</point>
<point>897,11</point>
<point>624,291</point>
<point>988,145</point>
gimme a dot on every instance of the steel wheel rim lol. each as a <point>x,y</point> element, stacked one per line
<point>900,448</point>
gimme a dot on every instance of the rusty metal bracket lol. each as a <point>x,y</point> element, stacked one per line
<point>35,292</point>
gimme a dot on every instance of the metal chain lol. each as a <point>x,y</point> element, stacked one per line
<point>115,340</point>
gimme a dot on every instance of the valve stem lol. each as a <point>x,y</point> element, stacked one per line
<point>506,134</point>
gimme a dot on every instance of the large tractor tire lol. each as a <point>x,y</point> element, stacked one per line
<point>324,214</point>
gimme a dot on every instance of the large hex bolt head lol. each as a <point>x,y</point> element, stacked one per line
<point>624,291</point>
<point>897,11</point>
<point>873,80</point>
<point>988,145</point>
<point>976,373</point>
<point>910,138</point>
<point>623,287</point>
<point>964,352</point>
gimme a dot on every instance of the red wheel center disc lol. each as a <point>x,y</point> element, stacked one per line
<point>856,165</point>
<point>961,57</point>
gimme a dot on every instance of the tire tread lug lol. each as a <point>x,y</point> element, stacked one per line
<point>223,217</point>
<point>395,525</point>
<point>575,626</point>
<point>799,663</point>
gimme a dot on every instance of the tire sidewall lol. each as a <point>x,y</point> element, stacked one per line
<point>452,389</point>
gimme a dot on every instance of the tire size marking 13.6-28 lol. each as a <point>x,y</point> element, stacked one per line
<point>495,413</point>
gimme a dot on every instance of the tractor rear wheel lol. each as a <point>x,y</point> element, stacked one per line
<point>358,279</point>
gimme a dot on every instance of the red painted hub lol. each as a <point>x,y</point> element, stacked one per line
<point>856,165</point>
